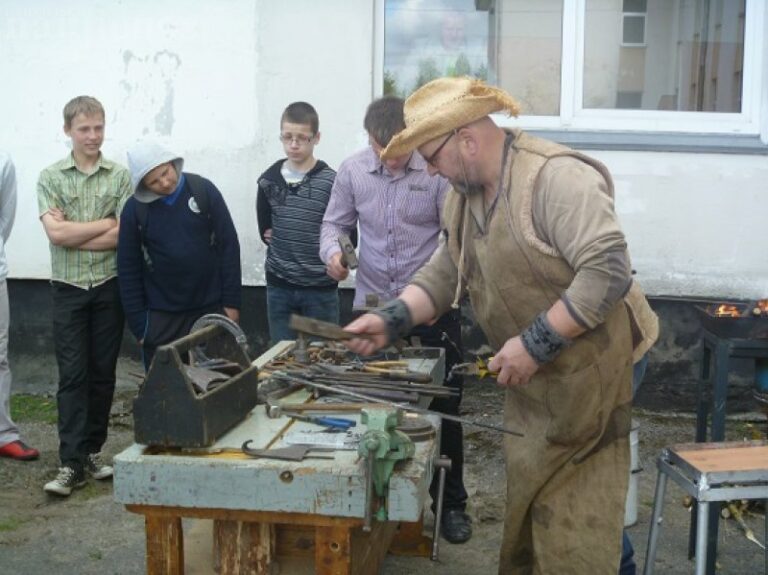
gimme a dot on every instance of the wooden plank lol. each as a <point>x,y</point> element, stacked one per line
<point>243,548</point>
<point>295,540</point>
<point>369,549</point>
<point>410,540</point>
<point>244,515</point>
<point>333,547</point>
<point>165,545</point>
<point>741,458</point>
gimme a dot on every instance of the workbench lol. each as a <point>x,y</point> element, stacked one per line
<point>263,509</point>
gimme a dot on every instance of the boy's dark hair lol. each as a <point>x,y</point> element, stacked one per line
<point>384,118</point>
<point>86,105</point>
<point>301,113</point>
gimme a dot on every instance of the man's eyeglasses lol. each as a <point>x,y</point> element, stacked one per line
<point>433,156</point>
<point>300,139</point>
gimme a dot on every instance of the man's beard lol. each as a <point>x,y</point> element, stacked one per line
<point>467,188</point>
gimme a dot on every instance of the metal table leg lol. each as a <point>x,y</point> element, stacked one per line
<point>701,539</point>
<point>653,537</point>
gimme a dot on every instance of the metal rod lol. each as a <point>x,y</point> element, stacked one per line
<point>443,463</point>
<point>405,406</point>
<point>446,392</point>
<point>656,522</point>
<point>368,493</point>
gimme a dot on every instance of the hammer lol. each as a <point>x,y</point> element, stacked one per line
<point>348,255</point>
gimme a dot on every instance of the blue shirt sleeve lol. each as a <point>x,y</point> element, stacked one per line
<point>227,249</point>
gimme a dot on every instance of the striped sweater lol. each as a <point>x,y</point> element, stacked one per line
<point>294,212</point>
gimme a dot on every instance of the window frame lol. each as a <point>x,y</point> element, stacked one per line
<point>574,118</point>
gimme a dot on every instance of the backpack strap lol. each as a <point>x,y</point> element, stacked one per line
<point>141,220</point>
<point>200,193</point>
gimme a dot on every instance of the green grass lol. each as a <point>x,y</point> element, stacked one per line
<point>33,408</point>
<point>10,524</point>
<point>96,555</point>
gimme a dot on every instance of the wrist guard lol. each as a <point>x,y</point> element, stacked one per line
<point>397,318</point>
<point>541,341</point>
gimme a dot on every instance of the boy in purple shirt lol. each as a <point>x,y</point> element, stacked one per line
<point>398,207</point>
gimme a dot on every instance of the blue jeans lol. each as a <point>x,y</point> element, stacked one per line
<point>322,304</point>
<point>627,565</point>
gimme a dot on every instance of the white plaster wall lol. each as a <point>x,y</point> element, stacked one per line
<point>210,79</point>
<point>696,223</point>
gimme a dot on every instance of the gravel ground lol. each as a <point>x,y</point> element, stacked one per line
<point>88,533</point>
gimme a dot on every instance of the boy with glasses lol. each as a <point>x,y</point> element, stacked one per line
<point>290,204</point>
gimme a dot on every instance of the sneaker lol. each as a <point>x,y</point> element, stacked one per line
<point>19,450</point>
<point>67,480</point>
<point>96,468</point>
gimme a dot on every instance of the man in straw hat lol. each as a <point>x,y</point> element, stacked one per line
<point>531,235</point>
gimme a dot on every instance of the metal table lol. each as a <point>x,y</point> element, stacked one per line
<point>710,473</point>
<point>716,356</point>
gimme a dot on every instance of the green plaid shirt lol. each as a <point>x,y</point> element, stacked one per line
<point>83,198</point>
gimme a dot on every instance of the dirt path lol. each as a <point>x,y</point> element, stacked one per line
<point>90,534</point>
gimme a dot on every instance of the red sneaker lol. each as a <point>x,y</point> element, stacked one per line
<point>19,450</point>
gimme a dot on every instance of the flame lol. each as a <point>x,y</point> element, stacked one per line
<point>727,310</point>
<point>762,305</point>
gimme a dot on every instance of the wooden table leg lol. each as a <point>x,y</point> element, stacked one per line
<point>410,540</point>
<point>165,545</point>
<point>243,548</point>
<point>333,550</point>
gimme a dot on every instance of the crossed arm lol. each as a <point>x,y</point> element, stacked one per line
<point>98,235</point>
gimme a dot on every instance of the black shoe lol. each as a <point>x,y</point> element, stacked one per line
<point>456,526</point>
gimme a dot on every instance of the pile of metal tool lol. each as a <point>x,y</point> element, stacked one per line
<point>386,379</point>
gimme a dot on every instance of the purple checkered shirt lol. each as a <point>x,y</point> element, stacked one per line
<point>399,220</point>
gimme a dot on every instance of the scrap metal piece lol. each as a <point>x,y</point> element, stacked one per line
<point>416,427</point>
<point>204,380</point>
<point>200,355</point>
<point>318,328</point>
<point>289,453</point>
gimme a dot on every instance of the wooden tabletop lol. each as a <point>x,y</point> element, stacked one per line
<point>749,456</point>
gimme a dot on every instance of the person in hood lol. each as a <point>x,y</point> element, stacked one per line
<point>290,204</point>
<point>178,255</point>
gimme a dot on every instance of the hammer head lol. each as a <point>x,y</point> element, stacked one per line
<point>274,411</point>
<point>348,255</point>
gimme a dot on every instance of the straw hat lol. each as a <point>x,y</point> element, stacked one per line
<point>443,105</point>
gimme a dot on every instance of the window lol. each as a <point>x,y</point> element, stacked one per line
<point>618,65</point>
<point>633,23</point>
